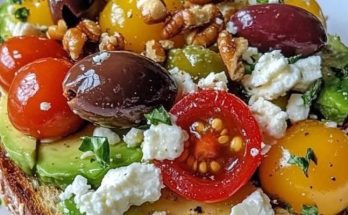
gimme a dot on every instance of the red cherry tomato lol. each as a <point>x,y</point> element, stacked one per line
<point>36,105</point>
<point>19,51</point>
<point>223,150</point>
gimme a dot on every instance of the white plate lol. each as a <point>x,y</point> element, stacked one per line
<point>335,10</point>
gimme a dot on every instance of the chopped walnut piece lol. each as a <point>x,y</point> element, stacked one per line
<point>57,32</point>
<point>111,42</point>
<point>155,51</point>
<point>167,44</point>
<point>152,11</point>
<point>231,49</point>
<point>208,35</point>
<point>73,42</point>
<point>228,8</point>
<point>189,18</point>
<point>91,29</point>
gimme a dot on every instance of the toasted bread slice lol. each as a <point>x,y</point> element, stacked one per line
<point>22,194</point>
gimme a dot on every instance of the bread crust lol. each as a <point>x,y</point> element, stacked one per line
<point>20,194</point>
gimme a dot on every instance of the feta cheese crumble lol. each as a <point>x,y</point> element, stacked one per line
<point>270,117</point>
<point>183,81</point>
<point>258,203</point>
<point>250,54</point>
<point>118,15</point>
<point>45,106</point>
<point>100,58</point>
<point>134,137</point>
<point>216,81</point>
<point>296,108</point>
<point>272,77</point>
<point>163,142</point>
<point>112,137</point>
<point>310,72</point>
<point>120,189</point>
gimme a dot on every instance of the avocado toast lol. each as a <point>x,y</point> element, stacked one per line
<point>166,107</point>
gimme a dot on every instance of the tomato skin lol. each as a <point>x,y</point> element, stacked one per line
<point>327,183</point>
<point>19,51</point>
<point>39,12</point>
<point>204,103</point>
<point>311,6</point>
<point>36,105</point>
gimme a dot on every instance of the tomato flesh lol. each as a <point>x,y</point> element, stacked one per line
<point>19,51</point>
<point>36,105</point>
<point>184,176</point>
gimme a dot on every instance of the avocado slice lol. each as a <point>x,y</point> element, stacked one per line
<point>59,162</point>
<point>19,147</point>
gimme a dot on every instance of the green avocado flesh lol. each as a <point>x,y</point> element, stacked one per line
<point>58,163</point>
<point>20,148</point>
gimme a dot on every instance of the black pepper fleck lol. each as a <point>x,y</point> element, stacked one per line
<point>333,178</point>
<point>306,134</point>
<point>198,210</point>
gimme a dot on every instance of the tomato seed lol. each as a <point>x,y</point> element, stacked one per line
<point>223,139</point>
<point>236,144</point>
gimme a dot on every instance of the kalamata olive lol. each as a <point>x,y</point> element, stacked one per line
<point>278,26</point>
<point>73,10</point>
<point>115,89</point>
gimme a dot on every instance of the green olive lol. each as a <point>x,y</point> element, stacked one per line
<point>196,60</point>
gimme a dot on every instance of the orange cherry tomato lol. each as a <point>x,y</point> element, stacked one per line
<point>36,105</point>
<point>311,6</point>
<point>327,183</point>
<point>19,51</point>
<point>125,17</point>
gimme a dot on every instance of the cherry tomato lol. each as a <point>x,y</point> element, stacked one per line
<point>39,12</point>
<point>124,17</point>
<point>36,105</point>
<point>223,150</point>
<point>327,183</point>
<point>311,6</point>
<point>19,51</point>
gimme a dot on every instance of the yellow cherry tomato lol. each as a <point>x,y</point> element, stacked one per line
<point>311,6</point>
<point>124,17</point>
<point>327,183</point>
<point>39,12</point>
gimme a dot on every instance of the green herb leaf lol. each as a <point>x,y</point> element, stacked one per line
<point>158,115</point>
<point>16,1</point>
<point>335,53</point>
<point>2,40</point>
<point>262,1</point>
<point>303,162</point>
<point>22,14</point>
<point>249,68</point>
<point>312,93</point>
<point>100,147</point>
<point>294,59</point>
<point>309,210</point>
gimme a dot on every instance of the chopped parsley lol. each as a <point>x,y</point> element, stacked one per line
<point>262,1</point>
<point>303,162</point>
<point>249,68</point>
<point>16,1</point>
<point>2,40</point>
<point>157,116</point>
<point>312,93</point>
<point>294,59</point>
<point>309,210</point>
<point>22,14</point>
<point>99,146</point>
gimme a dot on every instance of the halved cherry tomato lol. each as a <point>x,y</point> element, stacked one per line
<point>213,165</point>
<point>36,105</point>
<point>19,51</point>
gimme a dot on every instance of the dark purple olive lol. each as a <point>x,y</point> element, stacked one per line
<point>116,89</point>
<point>290,29</point>
<point>73,10</point>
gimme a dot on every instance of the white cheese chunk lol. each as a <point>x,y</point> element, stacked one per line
<point>163,142</point>
<point>273,77</point>
<point>271,119</point>
<point>296,108</point>
<point>310,71</point>
<point>250,54</point>
<point>134,137</point>
<point>258,203</point>
<point>120,189</point>
<point>183,81</point>
<point>112,137</point>
<point>216,81</point>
